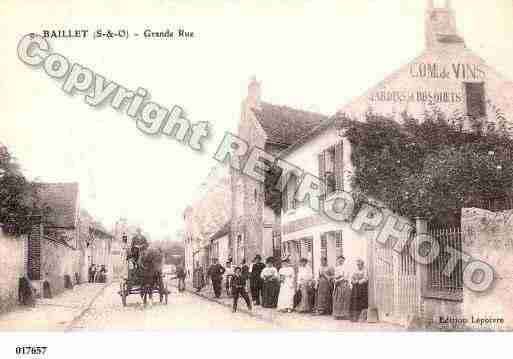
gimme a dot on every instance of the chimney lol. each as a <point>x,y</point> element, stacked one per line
<point>441,26</point>
<point>254,91</point>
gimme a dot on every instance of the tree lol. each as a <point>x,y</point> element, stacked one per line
<point>429,169</point>
<point>17,195</point>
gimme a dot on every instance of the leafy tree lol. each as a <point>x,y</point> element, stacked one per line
<point>431,168</point>
<point>17,195</point>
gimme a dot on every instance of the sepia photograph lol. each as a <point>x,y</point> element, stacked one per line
<point>335,168</point>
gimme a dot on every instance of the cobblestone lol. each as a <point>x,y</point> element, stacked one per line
<point>294,321</point>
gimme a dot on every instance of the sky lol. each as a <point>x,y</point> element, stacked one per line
<point>313,55</point>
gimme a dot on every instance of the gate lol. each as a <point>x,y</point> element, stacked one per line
<point>407,295</point>
<point>397,292</point>
<point>384,279</point>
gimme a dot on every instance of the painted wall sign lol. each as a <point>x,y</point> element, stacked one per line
<point>440,96</point>
<point>457,71</point>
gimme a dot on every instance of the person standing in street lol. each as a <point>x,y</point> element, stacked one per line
<point>239,289</point>
<point>271,284</point>
<point>342,292</point>
<point>324,288</point>
<point>215,272</point>
<point>255,279</point>
<point>198,280</point>
<point>180,275</point>
<point>244,270</point>
<point>91,273</point>
<point>359,291</point>
<point>228,274</point>
<point>287,288</point>
<point>305,281</point>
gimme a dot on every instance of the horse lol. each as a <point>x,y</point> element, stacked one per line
<point>151,275</point>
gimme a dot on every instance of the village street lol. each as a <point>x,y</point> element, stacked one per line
<point>95,307</point>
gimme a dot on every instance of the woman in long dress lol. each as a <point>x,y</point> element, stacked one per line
<point>287,288</point>
<point>342,290</point>
<point>198,278</point>
<point>270,284</point>
<point>305,281</point>
<point>324,288</point>
<point>360,291</point>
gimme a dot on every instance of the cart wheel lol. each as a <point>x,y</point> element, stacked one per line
<point>123,293</point>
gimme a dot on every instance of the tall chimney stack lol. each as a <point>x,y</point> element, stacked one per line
<point>254,92</point>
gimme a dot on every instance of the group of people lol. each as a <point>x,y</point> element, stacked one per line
<point>337,291</point>
<point>97,273</point>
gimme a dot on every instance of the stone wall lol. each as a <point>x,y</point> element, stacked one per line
<point>247,193</point>
<point>435,312</point>
<point>12,268</point>
<point>488,236</point>
<point>58,260</point>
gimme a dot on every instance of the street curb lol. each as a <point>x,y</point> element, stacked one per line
<point>245,311</point>
<point>83,311</point>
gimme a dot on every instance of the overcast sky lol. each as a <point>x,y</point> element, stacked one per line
<point>308,54</point>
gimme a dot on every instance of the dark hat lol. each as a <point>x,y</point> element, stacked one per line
<point>258,256</point>
<point>269,260</point>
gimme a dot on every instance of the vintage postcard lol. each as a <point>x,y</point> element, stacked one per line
<point>341,166</point>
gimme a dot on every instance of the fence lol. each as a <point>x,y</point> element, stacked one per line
<point>437,280</point>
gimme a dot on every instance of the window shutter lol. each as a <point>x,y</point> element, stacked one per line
<point>339,243</point>
<point>475,94</point>
<point>339,166</point>
<point>293,189</point>
<point>322,177</point>
<point>285,198</point>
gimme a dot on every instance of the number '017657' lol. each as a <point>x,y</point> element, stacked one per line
<point>30,350</point>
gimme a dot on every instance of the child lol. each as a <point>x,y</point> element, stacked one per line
<point>239,289</point>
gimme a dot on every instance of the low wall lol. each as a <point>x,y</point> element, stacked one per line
<point>11,268</point>
<point>437,313</point>
<point>488,236</point>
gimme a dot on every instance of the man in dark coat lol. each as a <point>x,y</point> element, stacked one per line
<point>138,246</point>
<point>180,275</point>
<point>244,270</point>
<point>238,283</point>
<point>255,280</point>
<point>215,272</point>
<point>91,273</point>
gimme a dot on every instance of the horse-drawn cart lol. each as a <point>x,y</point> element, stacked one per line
<point>145,279</point>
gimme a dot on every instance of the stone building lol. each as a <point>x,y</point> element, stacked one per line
<point>54,252</point>
<point>255,225</point>
<point>206,216</point>
<point>446,78</point>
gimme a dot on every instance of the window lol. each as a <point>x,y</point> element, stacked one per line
<point>324,246</point>
<point>306,248</point>
<point>289,194</point>
<point>240,249</point>
<point>339,244</point>
<point>331,169</point>
<point>475,97</point>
